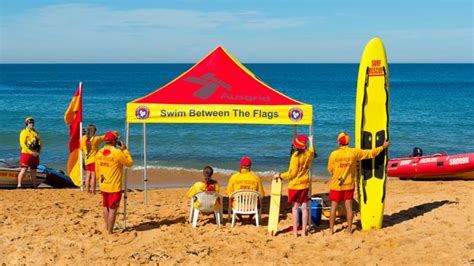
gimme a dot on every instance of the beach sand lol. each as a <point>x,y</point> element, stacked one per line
<point>425,222</point>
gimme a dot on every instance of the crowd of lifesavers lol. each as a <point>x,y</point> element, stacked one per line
<point>106,165</point>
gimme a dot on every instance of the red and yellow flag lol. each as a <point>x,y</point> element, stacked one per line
<point>73,118</point>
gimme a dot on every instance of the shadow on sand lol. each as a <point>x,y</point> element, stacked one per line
<point>155,224</point>
<point>413,212</point>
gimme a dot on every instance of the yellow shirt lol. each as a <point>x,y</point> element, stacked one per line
<point>341,165</point>
<point>89,156</point>
<point>109,163</point>
<point>245,180</point>
<point>30,141</point>
<point>298,171</point>
<point>201,187</point>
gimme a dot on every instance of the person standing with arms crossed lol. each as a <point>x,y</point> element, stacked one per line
<point>30,143</point>
<point>109,163</point>
<point>298,176</point>
<point>90,146</point>
<point>341,166</point>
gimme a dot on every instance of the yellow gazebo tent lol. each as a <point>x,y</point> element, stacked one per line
<point>217,89</point>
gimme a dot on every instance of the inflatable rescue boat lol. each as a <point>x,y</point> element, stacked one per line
<point>436,166</point>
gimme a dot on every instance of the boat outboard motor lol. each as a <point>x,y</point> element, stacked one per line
<point>417,152</point>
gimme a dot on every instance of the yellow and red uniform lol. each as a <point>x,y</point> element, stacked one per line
<point>298,171</point>
<point>341,165</point>
<point>109,162</point>
<point>89,156</point>
<point>30,141</point>
<point>245,179</point>
<point>201,186</point>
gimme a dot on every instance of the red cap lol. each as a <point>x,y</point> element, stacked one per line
<point>300,141</point>
<point>343,138</point>
<point>245,161</point>
<point>110,136</point>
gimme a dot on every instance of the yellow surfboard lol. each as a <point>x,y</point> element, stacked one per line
<point>275,201</point>
<point>371,130</point>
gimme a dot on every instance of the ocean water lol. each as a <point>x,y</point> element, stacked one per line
<point>431,107</point>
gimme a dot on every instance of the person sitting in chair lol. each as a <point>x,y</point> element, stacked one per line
<point>245,179</point>
<point>208,184</point>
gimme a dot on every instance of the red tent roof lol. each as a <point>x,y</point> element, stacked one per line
<point>217,79</point>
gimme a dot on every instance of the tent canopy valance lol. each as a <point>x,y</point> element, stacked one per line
<point>218,89</point>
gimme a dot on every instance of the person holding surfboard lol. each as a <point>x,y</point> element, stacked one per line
<point>341,166</point>
<point>298,176</point>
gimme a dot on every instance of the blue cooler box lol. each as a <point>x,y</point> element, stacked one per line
<point>316,209</point>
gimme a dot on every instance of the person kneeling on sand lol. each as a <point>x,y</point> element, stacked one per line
<point>245,179</point>
<point>208,184</point>
<point>298,176</point>
<point>341,166</point>
<point>109,163</point>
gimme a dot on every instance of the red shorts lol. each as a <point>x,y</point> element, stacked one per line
<point>298,196</point>
<point>90,167</point>
<point>111,200</point>
<point>29,160</point>
<point>338,196</point>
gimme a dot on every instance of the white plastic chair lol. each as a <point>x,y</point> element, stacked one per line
<point>245,202</point>
<point>207,202</point>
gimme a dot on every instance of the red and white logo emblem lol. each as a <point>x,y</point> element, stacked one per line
<point>295,114</point>
<point>142,112</point>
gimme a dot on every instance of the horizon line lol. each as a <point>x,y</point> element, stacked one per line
<point>181,63</point>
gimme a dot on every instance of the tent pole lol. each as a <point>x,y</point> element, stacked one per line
<point>145,180</point>
<point>125,182</point>
<point>310,172</point>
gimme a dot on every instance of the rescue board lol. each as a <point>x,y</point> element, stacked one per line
<point>275,201</point>
<point>371,130</point>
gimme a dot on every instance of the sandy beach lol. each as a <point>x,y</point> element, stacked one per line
<point>425,222</point>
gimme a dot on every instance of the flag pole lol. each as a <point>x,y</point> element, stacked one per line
<point>80,140</point>
<point>80,159</point>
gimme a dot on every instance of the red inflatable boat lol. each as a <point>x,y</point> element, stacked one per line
<point>436,166</point>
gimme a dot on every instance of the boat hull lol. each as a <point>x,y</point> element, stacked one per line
<point>437,166</point>
<point>8,177</point>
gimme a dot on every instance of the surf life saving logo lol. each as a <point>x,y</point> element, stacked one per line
<point>142,112</point>
<point>295,114</point>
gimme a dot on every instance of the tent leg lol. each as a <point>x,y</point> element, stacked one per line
<point>145,179</point>
<point>125,182</point>
<point>310,173</point>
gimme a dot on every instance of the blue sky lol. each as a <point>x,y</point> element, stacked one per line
<point>59,31</point>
